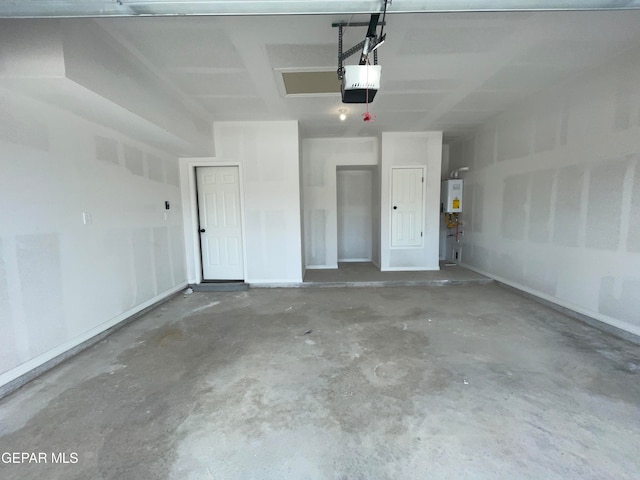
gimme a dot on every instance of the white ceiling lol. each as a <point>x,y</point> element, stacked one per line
<point>95,8</point>
<point>440,71</point>
<point>445,71</point>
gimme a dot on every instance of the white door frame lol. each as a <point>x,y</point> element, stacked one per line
<point>190,213</point>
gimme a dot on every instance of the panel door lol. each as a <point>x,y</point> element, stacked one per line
<point>407,207</point>
<point>220,223</point>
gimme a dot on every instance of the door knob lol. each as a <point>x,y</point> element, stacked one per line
<point>395,208</point>
<point>202,230</point>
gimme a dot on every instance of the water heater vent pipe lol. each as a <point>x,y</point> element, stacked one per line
<point>456,173</point>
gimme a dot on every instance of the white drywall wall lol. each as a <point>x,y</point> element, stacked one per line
<point>552,200</point>
<point>303,263</point>
<point>268,155</point>
<point>61,281</point>
<point>444,174</point>
<point>320,159</point>
<point>77,66</point>
<point>402,149</point>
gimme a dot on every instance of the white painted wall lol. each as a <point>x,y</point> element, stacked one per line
<point>62,282</point>
<point>552,201</point>
<point>268,155</point>
<point>320,159</point>
<point>376,218</point>
<point>303,263</point>
<point>403,149</point>
<point>444,174</point>
<point>76,65</point>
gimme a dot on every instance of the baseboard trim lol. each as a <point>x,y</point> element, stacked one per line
<point>607,324</point>
<point>21,375</point>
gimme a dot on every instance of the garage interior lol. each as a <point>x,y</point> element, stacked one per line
<point>340,325</point>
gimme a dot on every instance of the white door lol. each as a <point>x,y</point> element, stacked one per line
<point>220,224</point>
<point>407,209</point>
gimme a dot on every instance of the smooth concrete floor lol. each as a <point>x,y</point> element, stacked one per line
<point>455,382</point>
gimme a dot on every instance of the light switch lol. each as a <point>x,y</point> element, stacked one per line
<point>86,218</point>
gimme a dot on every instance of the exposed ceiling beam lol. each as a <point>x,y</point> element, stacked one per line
<point>108,8</point>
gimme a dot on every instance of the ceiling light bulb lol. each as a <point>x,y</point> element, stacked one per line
<point>343,114</point>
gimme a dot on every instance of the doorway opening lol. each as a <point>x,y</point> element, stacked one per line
<point>356,197</point>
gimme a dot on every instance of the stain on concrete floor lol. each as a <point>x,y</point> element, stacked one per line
<point>469,382</point>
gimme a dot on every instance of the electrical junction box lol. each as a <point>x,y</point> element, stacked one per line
<point>451,196</point>
<point>360,83</point>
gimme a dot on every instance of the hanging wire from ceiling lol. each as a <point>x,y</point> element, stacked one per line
<point>367,116</point>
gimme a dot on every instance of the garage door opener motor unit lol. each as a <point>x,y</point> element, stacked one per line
<point>361,82</point>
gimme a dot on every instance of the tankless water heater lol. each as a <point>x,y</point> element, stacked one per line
<point>451,196</point>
